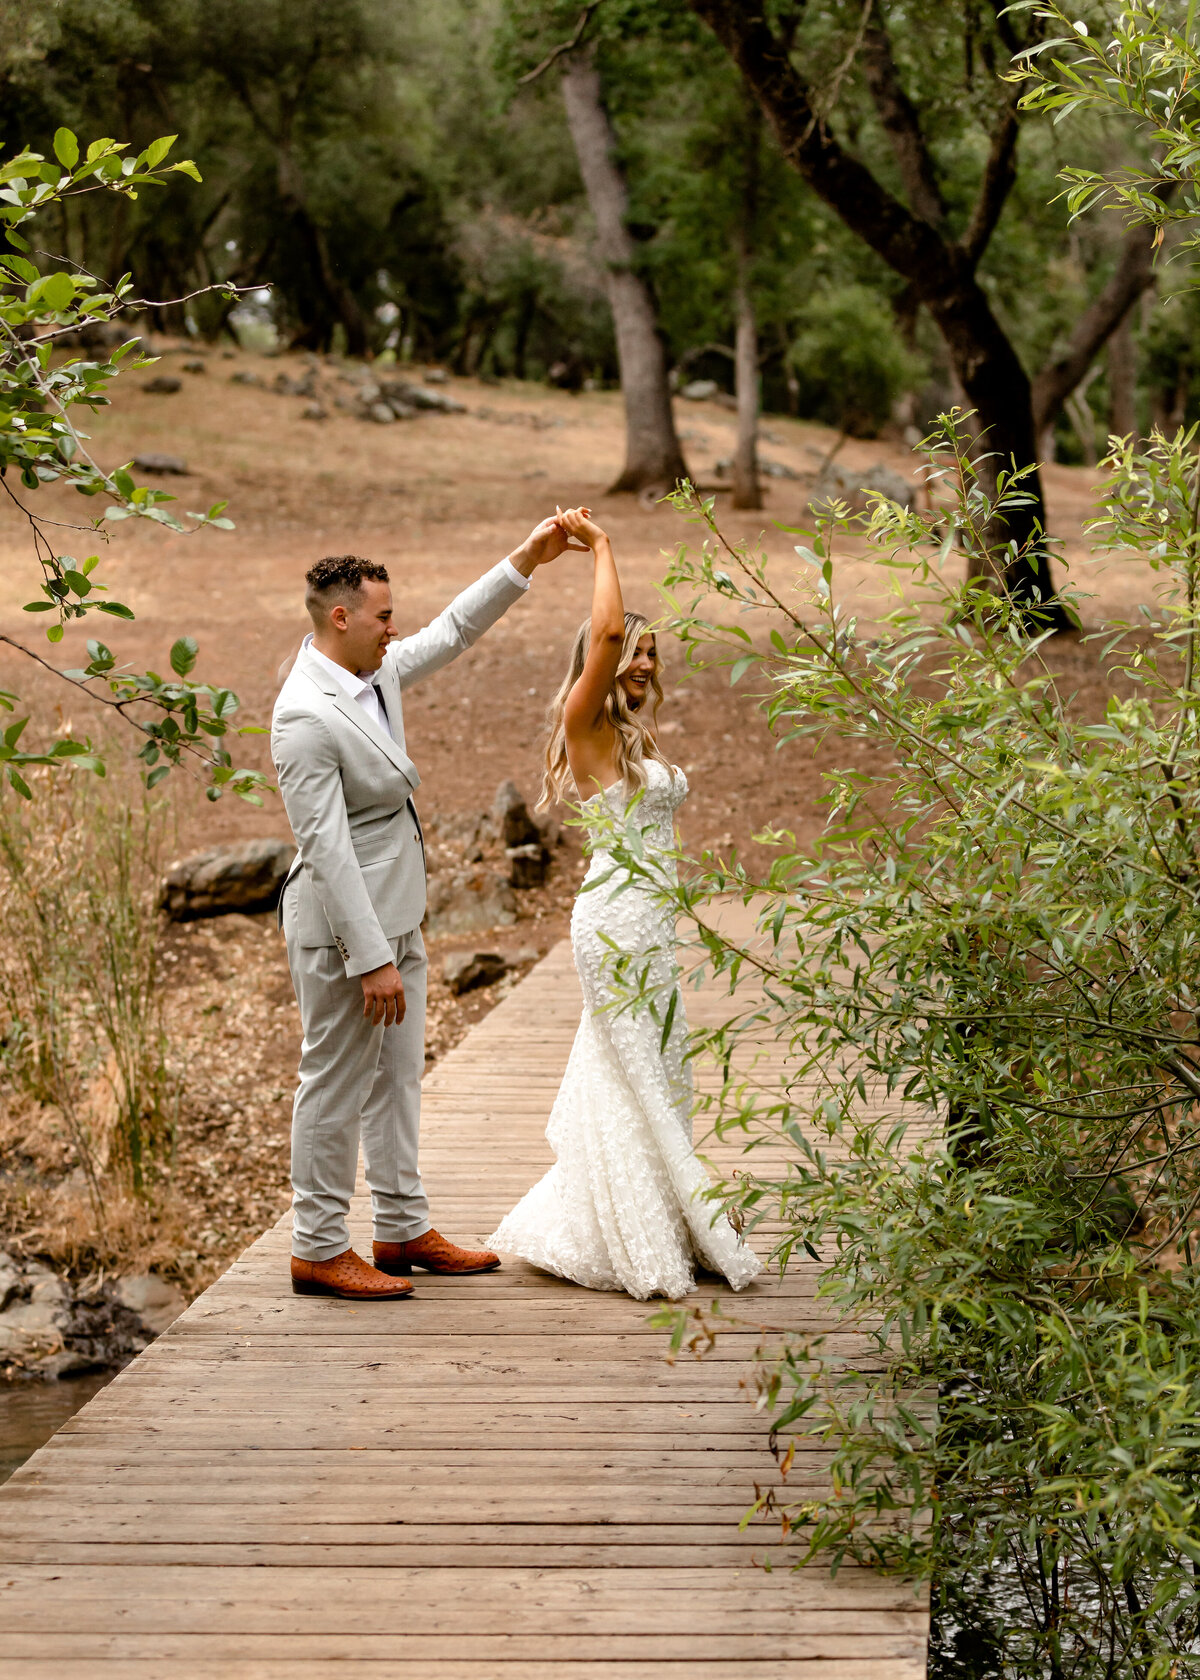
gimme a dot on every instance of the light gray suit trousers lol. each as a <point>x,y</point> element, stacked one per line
<point>354,901</point>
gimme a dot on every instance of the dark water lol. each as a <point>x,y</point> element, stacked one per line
<point>30,1412</point>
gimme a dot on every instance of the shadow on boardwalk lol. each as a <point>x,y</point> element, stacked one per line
<point>499,1477</point>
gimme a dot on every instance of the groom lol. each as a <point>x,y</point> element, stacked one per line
<point>351,911</point>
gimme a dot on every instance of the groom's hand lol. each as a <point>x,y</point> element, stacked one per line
<point>544,543</point>
<point>383,996</point>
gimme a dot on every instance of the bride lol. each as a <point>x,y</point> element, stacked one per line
<point>623,1205</point>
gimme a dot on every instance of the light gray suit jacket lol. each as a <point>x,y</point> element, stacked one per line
<point>347,786</point>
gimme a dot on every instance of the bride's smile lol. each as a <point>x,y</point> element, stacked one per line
<point>636,678</point>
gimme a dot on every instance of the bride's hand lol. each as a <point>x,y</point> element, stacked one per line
<point>578,523</point>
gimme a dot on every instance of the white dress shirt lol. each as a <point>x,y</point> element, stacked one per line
<point>360,685</point>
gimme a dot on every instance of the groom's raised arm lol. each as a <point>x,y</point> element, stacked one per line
<point>479,606</point>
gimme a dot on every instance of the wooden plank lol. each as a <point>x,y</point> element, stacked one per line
<point>503,1476</point>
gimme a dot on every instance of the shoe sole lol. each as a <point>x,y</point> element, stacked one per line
<point>302,1286</point>
<point>404,1268</point>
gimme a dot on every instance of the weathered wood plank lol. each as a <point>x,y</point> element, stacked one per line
<point>503,1477</point>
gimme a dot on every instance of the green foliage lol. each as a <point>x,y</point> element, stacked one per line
<point>983,985</point>
<point>42,442</point>
<point>850,360</point>
<point>1142,66</point>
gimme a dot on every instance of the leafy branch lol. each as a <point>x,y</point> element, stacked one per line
<point>41,442</point>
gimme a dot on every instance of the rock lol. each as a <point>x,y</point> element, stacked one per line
<point>381,413</point>
<point>777,469</point>
<point>160,464</point>
<point>699,390</point>
<point>469,901</point>
<point>196,365</point>
<point>304,387</point>
<point>526,955</point>
<point>10,1280</point>
<point>50,1289</point>
<point>462,828</point>
<point>436,376</point>
<point>851,485</point>
<point>35,1319</point>
<point>549,828</point>
<point>528,865</point>
<point>420,397</point>
<point>567,375</point>
<point>246,878</point>
<point>402,410</point>
<point>156,1302</point>
<point>163,385</point>
<point>71,1362</point>
<point>314,411</point>
<point>464,970</point>
<point>511,816</point>
<point>243,376</point>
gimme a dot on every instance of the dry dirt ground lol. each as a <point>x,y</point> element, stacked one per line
<point>438,499</point>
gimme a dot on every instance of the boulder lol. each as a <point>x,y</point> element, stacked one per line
<point>528,865</point>
<point>163,385</point>
<point>436,376</point>
<point>699,390</point>
<point>469,901</point>
<point>196,365</point>
<point>852,484</point>
<point>242,878</point>
<point>244,377</point>
<point>511,816</point>
<point>314,411</point>
<point>156,1302</point>
<point>380,412</point>
<point>464,970</point>
<point>163,464</point>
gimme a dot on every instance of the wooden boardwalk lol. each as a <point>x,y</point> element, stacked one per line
<point>500,1479</point>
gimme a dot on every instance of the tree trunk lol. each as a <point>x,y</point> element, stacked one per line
<point>747,492</point>
<point>1122,381</point>
<point>653,456</point>
<point>941,272</point>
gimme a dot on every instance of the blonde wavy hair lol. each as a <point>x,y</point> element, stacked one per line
<point>634,745</point>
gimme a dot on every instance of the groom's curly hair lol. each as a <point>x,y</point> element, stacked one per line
<point>338,578</point>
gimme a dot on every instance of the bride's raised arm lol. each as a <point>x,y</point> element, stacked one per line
<point>589,735</point>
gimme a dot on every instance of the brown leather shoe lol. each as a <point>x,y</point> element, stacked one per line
<point>433,1254</point>
<point>346,1276</point>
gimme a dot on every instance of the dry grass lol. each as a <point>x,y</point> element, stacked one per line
<point>230,1036</point>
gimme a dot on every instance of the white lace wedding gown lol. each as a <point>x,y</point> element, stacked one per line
<point>623,1207</point>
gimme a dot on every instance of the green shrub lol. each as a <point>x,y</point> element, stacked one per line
<point>850,360</point>
<point>1000,933</point>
